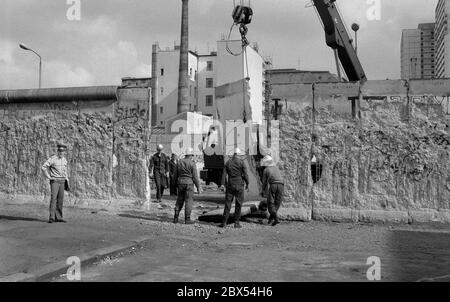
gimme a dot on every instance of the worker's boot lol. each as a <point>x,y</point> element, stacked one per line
<point>188,220</point>
<point>275,220</point>
<point>175,217</point>
<point>224,221</point>
<point>237,225</point>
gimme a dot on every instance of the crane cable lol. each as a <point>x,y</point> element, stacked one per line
<point>243,30</point>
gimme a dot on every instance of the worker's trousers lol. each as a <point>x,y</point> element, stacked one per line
<point>185,197</point>
<point>160,184</point>
<point>236,192</point>
<point>274,199</point>
<point>56,199</point>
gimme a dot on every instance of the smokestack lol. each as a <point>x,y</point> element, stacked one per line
<point>183,80</point>
<point>154,81</point>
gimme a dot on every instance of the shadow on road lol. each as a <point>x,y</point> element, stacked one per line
<point>13,218</point>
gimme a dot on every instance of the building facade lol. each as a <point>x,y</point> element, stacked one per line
<point>418,52</point>
<point>442,49</point>
<point>206,73</point>
<point>130,82</point>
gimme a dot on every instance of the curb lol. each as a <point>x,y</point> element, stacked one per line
<point>47,272</point>
<point>348,215</point>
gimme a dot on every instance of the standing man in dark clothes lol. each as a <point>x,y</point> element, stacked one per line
<point>186,176</point>
<point>172,166</point>
<point>272,177</point>
<point>235,174</point>
<point>159,170</point>
<point>55,169</point>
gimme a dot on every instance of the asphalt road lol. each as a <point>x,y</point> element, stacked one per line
<point>289,252</point>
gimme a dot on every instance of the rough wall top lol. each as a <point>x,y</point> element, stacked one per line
<point>58,94</point>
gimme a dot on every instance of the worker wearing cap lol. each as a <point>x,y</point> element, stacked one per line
<point>55,169</point>
<point>159,170</point>
<point>186,176</point>
<point>235,177</point>
<point>272,178</point>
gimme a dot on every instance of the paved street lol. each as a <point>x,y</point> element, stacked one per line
<point>292,251</point>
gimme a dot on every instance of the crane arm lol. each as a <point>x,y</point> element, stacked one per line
<point>337,38</point>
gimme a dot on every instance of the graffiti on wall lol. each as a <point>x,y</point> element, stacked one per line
<point>125,113</point>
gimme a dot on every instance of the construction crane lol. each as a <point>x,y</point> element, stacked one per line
<point>337,37</point>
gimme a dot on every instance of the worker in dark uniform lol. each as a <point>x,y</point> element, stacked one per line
<point>55,169</point>
<point>172,166</point>
<point>159,170</point>
<point>272,178</point>
<point>186,176</point>
<point>235,177</point>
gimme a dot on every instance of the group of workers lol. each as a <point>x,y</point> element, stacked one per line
<point>181,176</point>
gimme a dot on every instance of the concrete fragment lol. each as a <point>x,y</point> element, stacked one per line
<point>424,216</point>
<point>295,214</point>
<point>335,215</point>
<point>217,215</point>
<point>380,216</point>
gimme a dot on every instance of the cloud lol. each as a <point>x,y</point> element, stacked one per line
<point>101,26</point>
<point>61,74</point>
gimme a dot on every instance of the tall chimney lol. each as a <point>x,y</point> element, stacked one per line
<point>154,83</point>
<point>183,80</point>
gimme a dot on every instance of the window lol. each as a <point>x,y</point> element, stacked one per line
<point>209,101</point>
<point>195,92</point>
<point>190,90</point>
<point>190,72</point>
<point>162,71</point>
<point>161,110</point>
<point>162,90</point>
<point>209,65</point>
<point>209,83</point>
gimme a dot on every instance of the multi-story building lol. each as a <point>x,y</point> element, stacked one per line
<point>442,40</point>
<point>165,71</point>
<point>417,52</point>
<point>207,72</point>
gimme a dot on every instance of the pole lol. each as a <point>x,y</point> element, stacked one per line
<point>356,42</point>
<point>40,72</point>
<point>40,67</point>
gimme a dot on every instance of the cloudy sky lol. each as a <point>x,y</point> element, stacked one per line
<point>113,39</point>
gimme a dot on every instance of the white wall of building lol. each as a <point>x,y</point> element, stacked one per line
<point>167,89</point>
<point>204,74</point>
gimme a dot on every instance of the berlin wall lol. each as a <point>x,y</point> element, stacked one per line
<point>382,150</point>
<point>106,130</point>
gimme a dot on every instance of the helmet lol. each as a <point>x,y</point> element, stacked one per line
<point>189,151</point>
<point>160,147</point>
<point>237,151</point>
<point>267,161</point>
